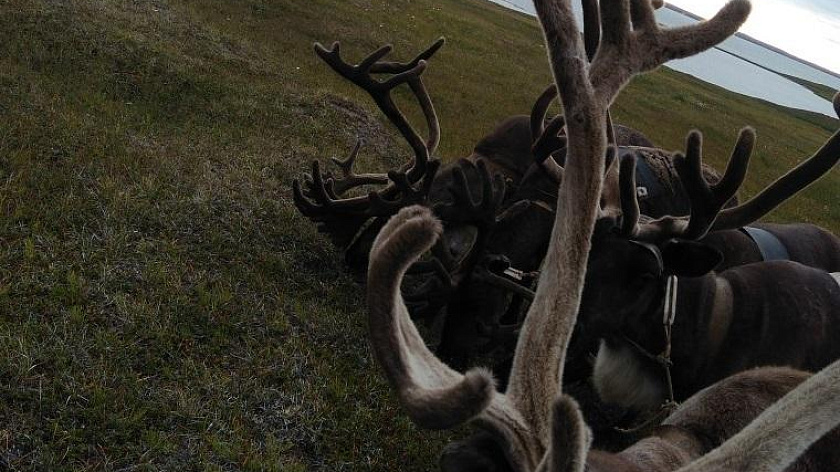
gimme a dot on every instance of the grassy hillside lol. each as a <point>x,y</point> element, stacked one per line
<point>823,91</point>
<point>162,304</point>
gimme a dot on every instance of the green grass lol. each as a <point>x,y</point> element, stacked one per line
<point>162,304</point>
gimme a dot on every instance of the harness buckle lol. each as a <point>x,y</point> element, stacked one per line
<point>515,274</point>
<point>670,311</point>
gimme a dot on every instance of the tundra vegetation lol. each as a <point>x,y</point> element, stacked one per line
<point>162,303</point>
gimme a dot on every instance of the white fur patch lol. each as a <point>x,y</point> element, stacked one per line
<point>619,378</point>
<point>836,276</point>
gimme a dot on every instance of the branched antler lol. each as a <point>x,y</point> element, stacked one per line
<point>321,197</point>
<point>632,42</point>
<point>465,208</point>
<point>707,201</point>
<point>380,91</point>
<point>349,178</point>
<point>435,395</point>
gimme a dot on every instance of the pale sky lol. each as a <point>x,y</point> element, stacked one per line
<point>809,29</point>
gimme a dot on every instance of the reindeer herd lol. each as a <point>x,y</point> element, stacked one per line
<point>570,252</point>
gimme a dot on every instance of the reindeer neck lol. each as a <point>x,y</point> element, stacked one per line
<point>666,450</point>
<point>697,332</point>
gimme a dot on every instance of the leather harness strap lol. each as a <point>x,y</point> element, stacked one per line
<point>721,316</point>
<point>771,248</point>
<point>669,313</point>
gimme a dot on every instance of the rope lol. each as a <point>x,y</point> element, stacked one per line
<point>669,314</point>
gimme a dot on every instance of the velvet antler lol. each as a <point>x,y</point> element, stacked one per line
<point>531,419</point>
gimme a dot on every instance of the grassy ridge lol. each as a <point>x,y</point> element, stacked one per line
<point>823,91</point>
<point>162,304</point>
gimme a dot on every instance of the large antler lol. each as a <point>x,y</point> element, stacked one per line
<point>436,396</point>
<point>322,199</point>
<point>549,139</point>
<point>630,44</point>
<point>707,201</point>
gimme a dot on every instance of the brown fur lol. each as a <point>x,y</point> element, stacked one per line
<point>773,313</point>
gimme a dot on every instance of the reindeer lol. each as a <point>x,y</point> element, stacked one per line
<point>510,252</point>
<point>496,227</point>
<point>538,426</point>
<point>515,240</point>
<point>766,313</point>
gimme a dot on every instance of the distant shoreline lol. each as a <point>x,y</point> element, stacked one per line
<point>513,6</point>
<point>759,43</point>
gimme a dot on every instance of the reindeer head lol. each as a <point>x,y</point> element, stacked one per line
<point>633,257</point>
<point>467,195</point>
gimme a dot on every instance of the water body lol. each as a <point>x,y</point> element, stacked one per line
<point>740,66</point>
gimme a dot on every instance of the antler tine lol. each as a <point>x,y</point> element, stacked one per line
<point>351,179</point>
<point>381,93</point>
<point>432,122</point>
<point>629,198</point>
<point>419,89</point>
<point>390,67</point>
<point>570,437</point>
<point>592,39</point>
<point>546,139</point>
<point>785,186</point>
<point>591,27</point>
<point>540,110</point>
<point>322,202</point>
<point>707,201</point>
<point>783,432</point>
<point>632,42</point>
<point>347,165</point>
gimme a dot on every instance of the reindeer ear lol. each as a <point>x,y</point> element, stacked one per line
<point>686,258</point>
